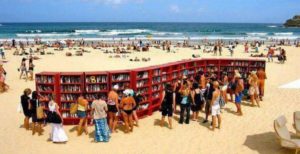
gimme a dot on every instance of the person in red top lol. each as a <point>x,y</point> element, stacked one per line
<point>270,54</point>
<point>246,48</point>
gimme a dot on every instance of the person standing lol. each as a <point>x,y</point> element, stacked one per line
<point>23,69</point>
<point>33,105</point>
<point>239,93</point>
<point>220,48</point>
<point>261,82</point>
<point>58,134</point>
<point>168,105</point>
<point>185,104</point>
<point>208,97</point>
<point>99,109</point>
<point>81,113</point>
<point>113,108</point>
<point>215,106</point>
<point>253,89</point>
<point>246,47</point>
<point>25,100</point>
<point>2,51</point>
<point>197,100</point>
<point>30,68</point>
<point>127,104</point>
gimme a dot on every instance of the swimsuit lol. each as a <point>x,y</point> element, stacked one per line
<point>128,112</point>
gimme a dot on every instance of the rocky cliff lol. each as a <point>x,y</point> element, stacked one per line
<point>294,22</point>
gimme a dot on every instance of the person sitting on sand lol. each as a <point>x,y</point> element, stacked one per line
<point>23,69</point>
<point>127,104</point>
<point>99,109</point>
<point>215,106</point>
<point>168,105</point>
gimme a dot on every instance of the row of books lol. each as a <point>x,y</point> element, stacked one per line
<point>93,88</point>
<point>120,77</point>
<point>70,88</point>
<point>45,79</point>
<point>96,79</point>
<point>70,79</point>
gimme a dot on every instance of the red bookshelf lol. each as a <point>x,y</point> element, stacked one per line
<point>47,85</point>
<point>148,81</point>
<point>71,86</point>
<point>142,86</point>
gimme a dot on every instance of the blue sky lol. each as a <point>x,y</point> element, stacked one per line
<point>257,11</point>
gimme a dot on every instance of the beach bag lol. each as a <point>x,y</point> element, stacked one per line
<point>39,111</point>
<point>53,117</point>
<point>73,108</point>
<point>222,102</point>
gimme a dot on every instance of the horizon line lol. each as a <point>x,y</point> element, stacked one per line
<point>26,22</point>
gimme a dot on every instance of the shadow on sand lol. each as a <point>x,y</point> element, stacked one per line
<point>266,143</point>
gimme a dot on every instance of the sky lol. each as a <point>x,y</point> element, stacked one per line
<point>238,11</point>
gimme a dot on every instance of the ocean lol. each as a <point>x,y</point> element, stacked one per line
<point>162,31</point>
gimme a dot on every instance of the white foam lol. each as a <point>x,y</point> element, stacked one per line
<point>43,35</point>
<point>272,26</point>
<point>284,34</point>
<point>257,34</point>
<point>125,31</point>
<point>165,33</point>
<point>87,31</point>
<point>291,85</point>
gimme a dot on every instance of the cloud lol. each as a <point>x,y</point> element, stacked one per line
<point>174,8</point>
<point>113,2</point>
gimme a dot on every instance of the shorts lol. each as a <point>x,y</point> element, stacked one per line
<point>238,98</point>
<point>112,108</point>
<point>207,107</point>
<point>81,114</point>
<point>167,111</point>
<point>215,110</point>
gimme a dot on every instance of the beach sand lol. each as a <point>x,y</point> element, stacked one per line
<point>251,133</point>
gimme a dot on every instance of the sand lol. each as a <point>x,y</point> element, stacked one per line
<point>251,133</point>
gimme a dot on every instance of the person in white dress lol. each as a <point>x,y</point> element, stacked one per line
<point>58,134</point>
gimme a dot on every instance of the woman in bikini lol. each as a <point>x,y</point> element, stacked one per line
<point>127,104</point>
<point>113,108</point>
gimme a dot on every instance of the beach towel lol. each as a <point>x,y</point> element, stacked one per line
<point>102,132</point>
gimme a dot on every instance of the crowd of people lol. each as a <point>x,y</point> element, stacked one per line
<point>191,93</point>
<point>207,92</point>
